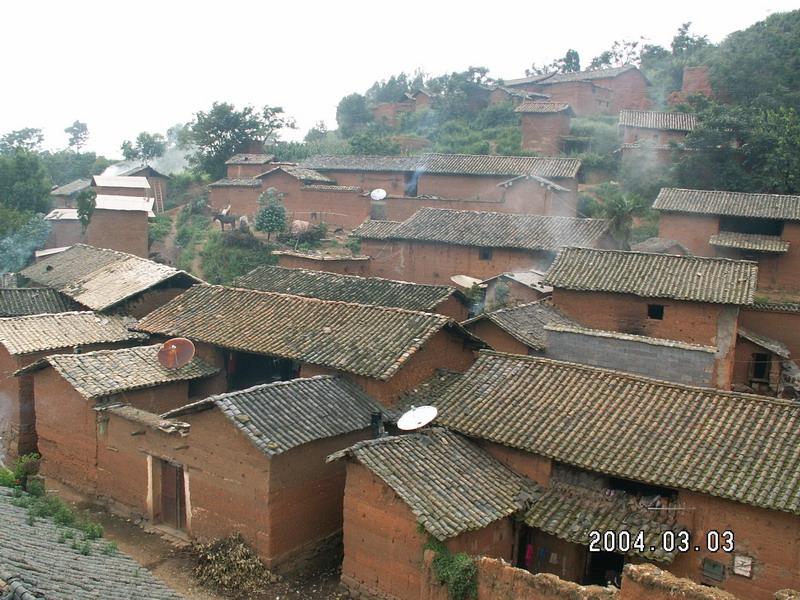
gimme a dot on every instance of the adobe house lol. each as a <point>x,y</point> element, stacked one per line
<point>435,244</point>
<point>682,298</point>
<point>401,490</point>
<point>649,135</point>
<point>441,299</point>
<point>696,449</point>
<point>109,281</point>
<point>760,227</point>
<point>513,288</point>
<point>544,124</point>
<point>240,166</point>
<point>500,94</point>
<point>121,186</point>
<point>63,196</point>
<point>343,264</point>
<point>65,228</point>
<point>69,390</point>
<point>519,329</point>
<point>775,320</point>
<point>262,337</point>
<point>241,193</point>
<point>25,340</point>
<point>602,91</point>
<point>761,365</point>
<point>20,302</point>
<point>158,181</point>
<point>696,80</point>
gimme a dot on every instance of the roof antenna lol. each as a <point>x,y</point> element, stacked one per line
<point>176,353</point>
<point>377,194</point>
<point>417,418</point>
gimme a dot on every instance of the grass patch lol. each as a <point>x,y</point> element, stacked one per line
<point>159,228</point>
<point>230,254</point>
<point>457,571</point>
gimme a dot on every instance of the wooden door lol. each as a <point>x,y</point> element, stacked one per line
<point>173,501</point>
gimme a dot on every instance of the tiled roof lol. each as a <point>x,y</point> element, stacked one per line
<point>137,183</point>
<point>38,333</point>
<point>570,512</point>
<point>332,188</point>
<point>734,204</point>
<point>318,256</point>
<point>786,307</point>
<point>302,173</point>
<point>651,119</point>
<point>452,164</point>
<point>660,246</point>
<point>551,78</point>
<point>774,346</point>
<point>373,341</point>
<point>237,182</point>
<point>250,159</point>
<point>741,447</point>
<point>427,392</point>
<point>631,337</point>
<point>536,106</point>
<point>347,288</point>
<point>450,484</point>
<point>73,187</point>
<point>148,419</point>
<point>16,302</point>
<point>99,278</point>
<point>372,229</point>
<point>8,280</point>
<point>144,170</point>
<point>525,322</point>
<point>498,230</point>
<point>749,241</point>
<point>693,278</point>
<point>106,372</point>
<point>34,565</point>
<point>279,416</point>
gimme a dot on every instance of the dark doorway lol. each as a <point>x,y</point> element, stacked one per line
<point>604,568</point>
<point>246,370</point>
<point>761,367</point>
<point>173,499</point>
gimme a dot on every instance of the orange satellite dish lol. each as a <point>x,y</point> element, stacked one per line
<point>176,353</point>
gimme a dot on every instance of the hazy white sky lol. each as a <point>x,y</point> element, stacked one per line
<point>146,65</point>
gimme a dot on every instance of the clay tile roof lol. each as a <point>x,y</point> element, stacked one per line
<point>33,565</point>
<point>551,78</point>
<point>525,322</point>
<point>498,230</point>
<point>570,512</point>
<point>692,278</point>
<point>501,166</point>
<point>106,372</point>
<point>304,174</point>
<point>372,229</point>
<point>332,188</point>
<point>38,333</point>
<point>73,187</point>
<point>17,302</point>
<point>373,341</point>
<point>279,416</point>
<point>99,278</point>
<point>250,159</point>
<point>749,241</point>
<point>449,483</point>
<point>741,447</point>
<point>650,119</point>
<point>346,288</point>
<point>734,204</point>
<point>360,163</point>
<point>772,306</point>
<point>534,106</point>
<point>237,182</point>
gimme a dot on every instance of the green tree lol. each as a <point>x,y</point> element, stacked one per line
<point>146,147</point>
<point>372,141</point>
<point>28,139</point>
<point>571,63</point>
<point>317,132</point>
<point>24,183</point>
<point>352,114</point>
<point>620,208</point>
<point>622,52</point>
<point>271,217</point>
<point>78,135</point>
<point>64,166</point>
<point>223,131</point>
<point>86,206</point>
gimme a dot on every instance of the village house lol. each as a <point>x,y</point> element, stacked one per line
<point>26,339</point>
<point>158,181</point>
<point>20,302</point>
<point>137,187</point>
<point>544,125</point>
<point>649,136</point>
<point>344,264</point>
<point>71,390</point>
<point>519,329</point>
<point>241,166</point>
<point>602,91</point>
<point>618,439</point>
<point>109,281</point>
<point>681,298</point>
<point>260,337</point>
<point>434,244</point>
<point>441,299</point>
<point>514,287</point>
<point>64,196</point>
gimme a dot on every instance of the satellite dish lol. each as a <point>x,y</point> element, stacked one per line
<point>417,417</point>
<point>176,353</point>
<point>378,194</point>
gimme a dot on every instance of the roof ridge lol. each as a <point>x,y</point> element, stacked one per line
<point>686,257</point>
<point>68,312</point>
<point>347,276</point>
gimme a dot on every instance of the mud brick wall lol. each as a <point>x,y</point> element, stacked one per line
<point>496,337</point>
<point>123,230</point>
<point>542,132</point>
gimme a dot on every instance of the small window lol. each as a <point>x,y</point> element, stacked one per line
<point>760,366</point>
<point>485,254</point>
<point>655,311</point>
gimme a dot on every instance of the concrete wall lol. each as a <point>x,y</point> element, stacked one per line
<point>542,132</point>
<point>122,230</point>
<point>671,363</point>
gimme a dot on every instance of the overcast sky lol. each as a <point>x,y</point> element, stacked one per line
<point>146,65</point>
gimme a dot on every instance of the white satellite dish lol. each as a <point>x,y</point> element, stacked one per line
<point>378,194</point>
<point>417,417</point>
